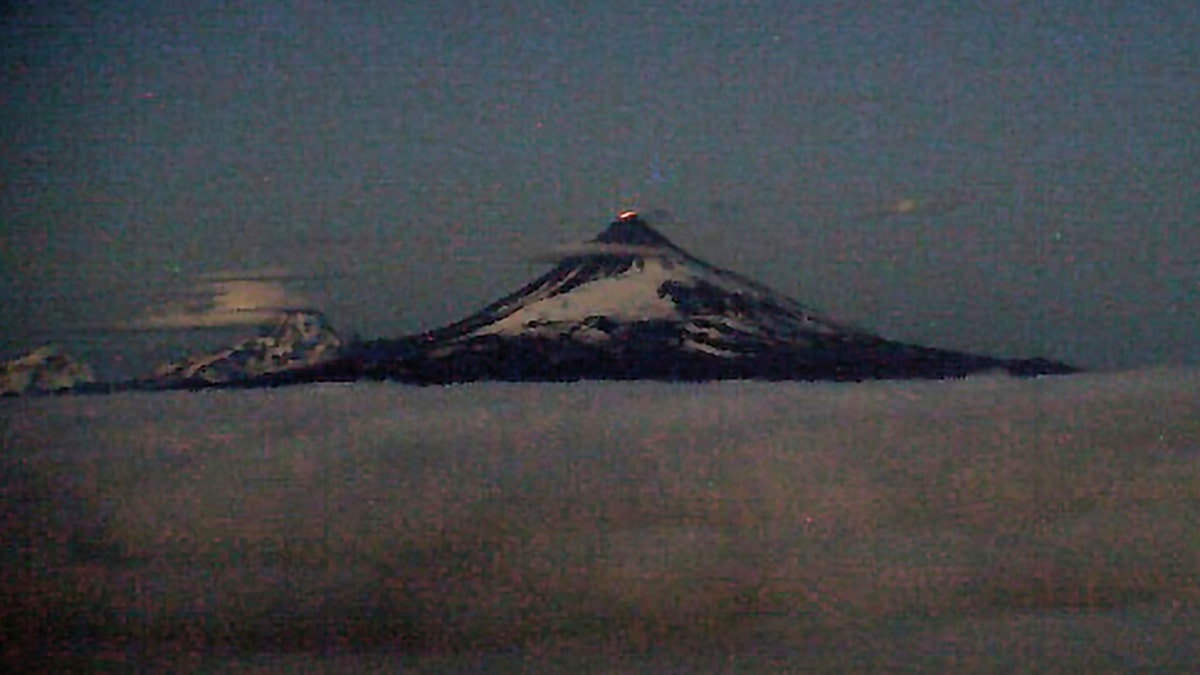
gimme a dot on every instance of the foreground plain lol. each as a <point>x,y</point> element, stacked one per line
<point>981,525</point>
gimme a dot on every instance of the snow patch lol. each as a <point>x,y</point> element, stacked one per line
<point>708,349</point>
<point>630,296</point>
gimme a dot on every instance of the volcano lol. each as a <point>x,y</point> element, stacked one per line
<point>630,304</point>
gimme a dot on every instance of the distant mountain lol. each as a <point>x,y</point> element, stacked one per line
<point>302,339</point>
<point>630,304</point>
<point>44,370</point>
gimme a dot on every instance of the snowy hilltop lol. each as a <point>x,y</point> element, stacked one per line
<point>630,304</point>
<point>627,305</point>
<point>301,339</point>
<point>44,370</point>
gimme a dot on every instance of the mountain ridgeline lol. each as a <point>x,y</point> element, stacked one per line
<point>630,304</point>
<point>627,305</point>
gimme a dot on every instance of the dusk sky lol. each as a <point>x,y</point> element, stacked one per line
<point>1019,179</point>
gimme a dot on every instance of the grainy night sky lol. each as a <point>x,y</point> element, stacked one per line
<point>1019,178</point>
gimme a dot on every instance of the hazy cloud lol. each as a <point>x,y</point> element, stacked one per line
<point>277,274</point>
<point>914,206</point>
<point>503,459</point>
<point>225,299</point>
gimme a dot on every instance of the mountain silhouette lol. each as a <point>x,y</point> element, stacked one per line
<point>630,304</point>
<point>300,340</point>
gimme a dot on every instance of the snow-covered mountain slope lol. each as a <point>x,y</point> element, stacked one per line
<point>630,304</point>
<point>301,339</point>
<point>46,369</point>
